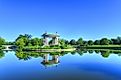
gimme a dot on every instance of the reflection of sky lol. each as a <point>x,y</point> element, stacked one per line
<point>90,19</point>
<point>73,67</point>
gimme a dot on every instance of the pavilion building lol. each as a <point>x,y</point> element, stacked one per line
<point>54,37</point>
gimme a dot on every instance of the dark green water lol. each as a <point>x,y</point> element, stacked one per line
<point>83,65</point>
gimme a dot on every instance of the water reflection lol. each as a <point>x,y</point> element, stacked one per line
<point>52,58</point>
<point>79,65</point>
<point>105,53</point>
<point>49,59</point>
<point>2,54</point>
<point>47,62</point>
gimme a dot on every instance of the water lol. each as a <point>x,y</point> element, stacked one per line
<point>82,65</point>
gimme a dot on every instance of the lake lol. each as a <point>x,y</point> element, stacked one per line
<point>81,65</point>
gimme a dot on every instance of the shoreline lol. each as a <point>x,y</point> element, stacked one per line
<point>51,50</point>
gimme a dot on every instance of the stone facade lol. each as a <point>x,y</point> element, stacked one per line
<point>54,37</point>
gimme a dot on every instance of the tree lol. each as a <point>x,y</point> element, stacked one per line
<point>104,41</point>
<point>20,43</point>
<point>115,41</point>
<point>119,39</point>
<point>110,42</point>
<point>62,41</point>
<point>85,42</point>
<point>26,38</point>
<point>72,42</point>
<point>97,42</point>
<point>2,41</point>
<point>66,42</point>
<point>90,42</point>
<point>40,42</point>
<point>80,41</point>
<point>35,41</point>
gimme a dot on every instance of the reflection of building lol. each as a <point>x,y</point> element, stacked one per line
<point>50,62</point>
<point>55,40</point>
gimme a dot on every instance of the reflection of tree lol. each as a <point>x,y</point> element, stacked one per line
<point>2,54</point>
<point>90,51</point>
<point>28,55</point>
<point>85,51</point>
<point>73,52</point>
<point>22,55</point>
<point>80,52</point>
<point>97,51</point>
<point>105,54</point>
<point>119,54</point>
<point>63,53</point>
<point>53,61</point>
<point>52,58</point>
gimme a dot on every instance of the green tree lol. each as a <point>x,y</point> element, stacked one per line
<point>115,41</point>
<point>35,41</point>
<point>90,42</point>
<point>97,42</point>
<point>104,41</point>
<point>40,42</point>
<point>62,41</point>
<point>20,43</point>
<point>66,42</point>
<point>72,42</point>
<point>80,41</point>
<point>2,41</point>
<point>85,43</point>
<point>26,38</point>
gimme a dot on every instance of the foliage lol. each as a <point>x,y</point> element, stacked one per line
<point>62,41</point>
<point>2,41</point>
<point>97,42</point>
<point>90,42</point>
<point>80,41</point>
<point>36,42</point>
<point>27,42</point>
<point>72,42</point>
<point>20,43</point>
<point>104,41</point>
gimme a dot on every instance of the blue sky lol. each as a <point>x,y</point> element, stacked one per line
<point>89,19</point>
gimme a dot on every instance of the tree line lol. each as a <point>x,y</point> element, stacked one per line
<point>27,40</point>
<point>103,41</point>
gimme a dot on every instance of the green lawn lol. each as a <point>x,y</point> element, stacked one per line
<point>104,46</point>
<point>118,47</point>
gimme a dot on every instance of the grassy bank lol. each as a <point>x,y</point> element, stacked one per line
<point>103,47</point>
<point>48,48</point>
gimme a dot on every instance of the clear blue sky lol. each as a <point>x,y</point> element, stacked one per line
<point>89,19</point>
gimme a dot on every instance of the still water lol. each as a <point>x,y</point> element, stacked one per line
<point>81,65</point>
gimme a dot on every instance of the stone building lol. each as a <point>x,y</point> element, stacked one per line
<point>54,38</point>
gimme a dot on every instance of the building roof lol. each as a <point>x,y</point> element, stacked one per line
<point>50,35</point>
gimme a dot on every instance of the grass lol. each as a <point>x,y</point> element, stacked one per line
<point>104,46</point>
<point>118,47</point>
<point>46,47</point>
